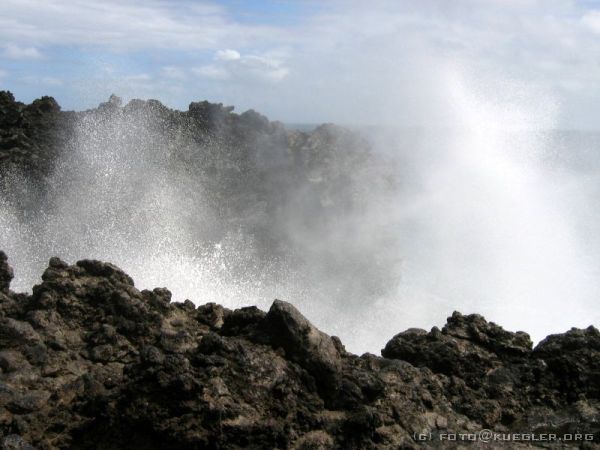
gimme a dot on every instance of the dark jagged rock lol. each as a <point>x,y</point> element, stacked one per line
<point>573,361</point>
<point>6,273</point>
<point>89,361</point>
<point>31,135</point>
<point>468,346</point>
<point>305,344</point>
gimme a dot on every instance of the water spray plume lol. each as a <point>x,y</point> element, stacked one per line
<point>365,242</point>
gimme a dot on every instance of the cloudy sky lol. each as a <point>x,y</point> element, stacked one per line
<point>307,61</point>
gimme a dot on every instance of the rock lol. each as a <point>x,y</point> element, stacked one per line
<point>573,362</point>
<point>101,353</point>
<point>11,361</point>
<point>29,401</point>
<point>315,440</point>
<point>6,273</point>
<point>105,270</point>
<point>212,315</point>
<point>177,341</point>
<point>304,344</point>
<point>15,442</point>
<point>468,347</point>
<point>30,136</point>
<point>488,335</point>
<point>112,104</point>
<point>243,321</point>
<point>87,358</point>
<point>37,354</point>
<point>152,355</point>
<point>17,332</point>
<point>43,105</point>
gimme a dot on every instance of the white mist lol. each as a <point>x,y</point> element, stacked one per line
<point>479,224</point>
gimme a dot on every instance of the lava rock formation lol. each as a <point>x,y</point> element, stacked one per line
<point>89,361</point>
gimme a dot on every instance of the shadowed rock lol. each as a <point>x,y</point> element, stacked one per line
<point>468,346</point>
<point>6,273</point>
<point>304,344</point>
<point>89,361</point>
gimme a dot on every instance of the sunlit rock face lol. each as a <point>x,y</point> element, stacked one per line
<point>89,361</point>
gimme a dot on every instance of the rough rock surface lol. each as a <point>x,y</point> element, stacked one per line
<point>88,361</point>
<point>30,134</point>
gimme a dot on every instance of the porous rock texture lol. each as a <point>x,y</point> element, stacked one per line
<point>90,362</point>
<point>31,134</point>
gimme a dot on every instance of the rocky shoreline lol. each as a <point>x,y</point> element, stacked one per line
<point>89,361</point>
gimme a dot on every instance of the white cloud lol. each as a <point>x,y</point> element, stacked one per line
<point>227,55</point>
<point>213,72</point>
<point>13,51</point>
<point>591,20</point>
<point>231,65</point>
<point>3,73</point>
<point>174,73</point>
<point>347,61</point>
<point>386,60</point>
<point>268,68</point>
<point>130,25</point>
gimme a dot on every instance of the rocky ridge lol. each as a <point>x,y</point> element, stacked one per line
<point>89,361</point>
<point>228,177</point>
<point>209,139</point>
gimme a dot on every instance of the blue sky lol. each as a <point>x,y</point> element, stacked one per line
<point>382,61</point>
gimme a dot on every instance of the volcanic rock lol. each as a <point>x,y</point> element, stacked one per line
<point>89,361</point>
<point>304,344</point>
<point>6,273</point>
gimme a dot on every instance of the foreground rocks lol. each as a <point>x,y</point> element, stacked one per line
<point>89,361</point>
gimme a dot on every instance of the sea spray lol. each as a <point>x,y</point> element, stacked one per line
<point>365,240</point>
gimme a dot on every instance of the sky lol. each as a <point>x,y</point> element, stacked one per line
<point>352,62</point>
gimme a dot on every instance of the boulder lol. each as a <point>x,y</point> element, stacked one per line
<point>468,347</point>
<point>304,343</point>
